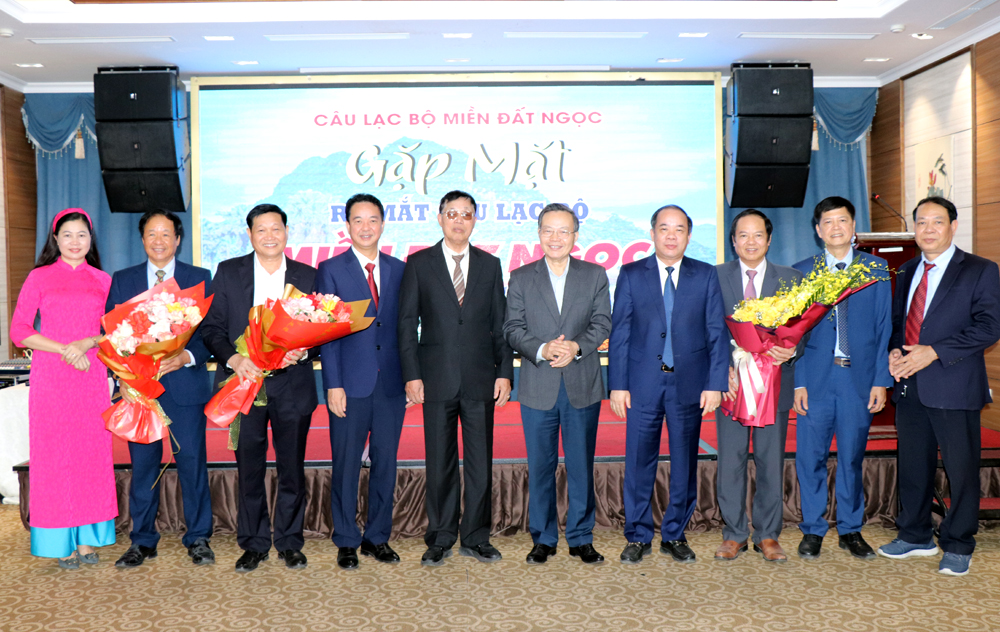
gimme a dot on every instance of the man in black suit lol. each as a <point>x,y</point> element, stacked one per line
<point>241,283</point>
<point>945,314</point>
<point>460,367</point>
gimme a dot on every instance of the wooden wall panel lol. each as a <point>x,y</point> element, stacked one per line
<point>885,132</point>
<point>20,196</point>
<point>988,80</point>
<point>988,163</point>
<point>886,161</point>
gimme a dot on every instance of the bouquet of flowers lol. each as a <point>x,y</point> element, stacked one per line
<point>782,320</point>
<point>296,321</point>
<point>140,334</point>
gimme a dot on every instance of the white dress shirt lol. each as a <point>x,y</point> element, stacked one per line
<point>266,285</point>
<point>450,263</point>
<point>662,267</point>
<point>376,271</point>
<point>758,281</point>
<point>933,277</point>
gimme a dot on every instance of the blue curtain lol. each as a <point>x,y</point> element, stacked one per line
<point>65,181</point>
<point>843,116</point>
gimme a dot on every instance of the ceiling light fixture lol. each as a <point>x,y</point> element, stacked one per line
<point>669,60</point>
<point>29,65</point>
<point>219,38</point>
<point>245,63</point>
<point>958,16</point>
<point>876,59</point>
<point>572,35</point>
<point>342,37</point>
<point>152,39</point>
<point>456,35</point>
<point>456,61</point>
<point>810,36</point>
<point>692,35</point>
<point>923,36</point>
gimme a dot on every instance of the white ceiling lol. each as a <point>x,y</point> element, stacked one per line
<point>653,29</point>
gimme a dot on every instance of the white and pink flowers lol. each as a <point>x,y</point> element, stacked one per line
<point>317,308</point>
<point>161,317</point>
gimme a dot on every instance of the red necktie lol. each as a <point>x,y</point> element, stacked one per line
<point>371,283</point>
<point>915,317</point>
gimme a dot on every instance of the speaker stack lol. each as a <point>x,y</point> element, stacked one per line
<point>768,134</point>
<point>142,138</point>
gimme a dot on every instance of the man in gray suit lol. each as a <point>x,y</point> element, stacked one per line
<point>558,314</point>
<point>753,276</point>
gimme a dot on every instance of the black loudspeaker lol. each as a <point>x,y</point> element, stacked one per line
<point>768,135</point>
<point>143,138</point>
<point>138,191</point>
<point>143,144</point>
<point>138,93</point>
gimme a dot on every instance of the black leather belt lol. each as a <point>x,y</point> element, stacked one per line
<point>666,369</point>
<point>844,362</point>
<point>228,370</point>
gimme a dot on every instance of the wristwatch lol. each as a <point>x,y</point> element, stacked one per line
<point>579,354</point>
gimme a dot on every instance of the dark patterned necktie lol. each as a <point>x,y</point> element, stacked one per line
<point>160,274</point>
<point>845,346</point>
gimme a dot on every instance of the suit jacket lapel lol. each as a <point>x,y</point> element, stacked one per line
<point>475,270</point>
<point>733,278</point>
<point>359,275</point>
<point>543,288</point>
<point>769,287</point>
<point>654,288</point>
<point>248,273</point>
<point>443,273</point>
<point>950,274</point>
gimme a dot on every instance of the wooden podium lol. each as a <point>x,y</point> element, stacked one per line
<point>896,249</point>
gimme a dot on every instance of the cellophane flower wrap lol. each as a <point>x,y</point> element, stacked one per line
<point>139,335</point>
<point>296,321</point>
<point>782,320</point>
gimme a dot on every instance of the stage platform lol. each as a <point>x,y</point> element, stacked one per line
<point>510,479</point>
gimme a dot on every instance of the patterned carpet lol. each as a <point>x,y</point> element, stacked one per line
<point>835,593</point>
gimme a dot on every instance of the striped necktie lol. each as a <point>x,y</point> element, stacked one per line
<point>458,280</point>
<point>842,342</point>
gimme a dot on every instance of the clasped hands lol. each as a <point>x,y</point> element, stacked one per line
<point>559,352</point>
<point>918,357</point>
<point>247,370</point>
<point>75,353</point>
<point>779,355</point>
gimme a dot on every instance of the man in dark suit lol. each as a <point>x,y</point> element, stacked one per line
<point>241,283</point>
<point>187,390</point>
<point>460,368</point>
<point>667,357</point>
<point>945,314</point>
<point>364,386</point>
<point>751,275</point>
<point>558,314</point>
<point>840,382</point>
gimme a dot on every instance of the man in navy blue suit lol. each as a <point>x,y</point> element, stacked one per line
<point>945,314</point>
<point>840,382</point>
<point>667,358</point>
<point>364,386</point>
<point>187,390</point>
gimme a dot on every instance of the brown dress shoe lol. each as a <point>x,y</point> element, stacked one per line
<point>771,550</point>
<point>730,549</point>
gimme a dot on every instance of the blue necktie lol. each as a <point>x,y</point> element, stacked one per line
<point>845,346</point>
<point>668,308</point>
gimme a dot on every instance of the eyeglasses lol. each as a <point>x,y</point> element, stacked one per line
<point>453,214</point>
<point>562,233</point>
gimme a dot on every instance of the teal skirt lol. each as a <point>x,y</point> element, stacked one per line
<point>62,542</point>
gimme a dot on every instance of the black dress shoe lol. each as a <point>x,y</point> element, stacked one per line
<point>347,558</point>
<point>586,553</point>
<point>679,550</point>
<point>201,553</point>
<point>381,552</point>
<point>540,553</point>
<point>435,556</point>
<point>854,543</point>
<point>810,546</point>
<point>135,556</point>
<point>249,561</point>
<point>634,551</point>
<point>294,558</point>
<point>484,552</point>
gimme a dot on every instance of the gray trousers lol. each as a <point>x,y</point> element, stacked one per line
<point>731,481</point>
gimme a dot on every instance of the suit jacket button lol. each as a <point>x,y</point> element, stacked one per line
<point>659,357</point>
<point>378,347</point>
<point>378,323</point>
<point>459,322</point>
<point>663,335</point>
